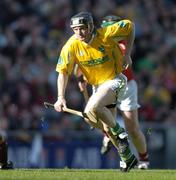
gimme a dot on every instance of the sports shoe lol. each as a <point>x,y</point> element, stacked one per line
<point>128,159</point>
<point>131,163</point>
<point>9,165</point>
<point>143,165</point>
<point>106,145</point>
<point>123,144</point>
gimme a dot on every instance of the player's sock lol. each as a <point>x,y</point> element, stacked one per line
<point>143,161</point>
<point>117,130</point>
<point>143,156</point>
<point>128,158</point>
<point>122,138</point>
<point>143,165</point>
<point>124,151</point>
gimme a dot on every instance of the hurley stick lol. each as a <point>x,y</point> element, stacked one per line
<point>71,111</point>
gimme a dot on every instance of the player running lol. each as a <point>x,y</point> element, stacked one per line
<point>129,108</point>
<point>93,50</point>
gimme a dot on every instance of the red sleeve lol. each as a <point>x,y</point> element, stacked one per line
<point>128,72</point>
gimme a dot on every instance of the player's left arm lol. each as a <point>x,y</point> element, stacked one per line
<point>124,30</point>
<point>82,83</point>
<point>127,61</point>
<point>130,40</point>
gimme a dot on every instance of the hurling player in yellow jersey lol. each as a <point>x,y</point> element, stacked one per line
<point>96,53</point>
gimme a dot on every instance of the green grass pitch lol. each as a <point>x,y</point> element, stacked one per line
<point>86,174</point>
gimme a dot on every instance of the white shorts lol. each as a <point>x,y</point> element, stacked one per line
<point>129,100</point>
<point>117,84</point>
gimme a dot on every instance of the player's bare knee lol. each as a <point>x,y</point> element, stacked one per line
<point>97,109</point>
<point>93,109</point>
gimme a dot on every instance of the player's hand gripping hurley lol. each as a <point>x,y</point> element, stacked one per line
<point>65,109</point>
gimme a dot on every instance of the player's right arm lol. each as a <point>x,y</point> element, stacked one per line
<point>64,68</point>
<point>62,81</point>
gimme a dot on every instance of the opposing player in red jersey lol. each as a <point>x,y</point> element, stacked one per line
<point>129,108</point>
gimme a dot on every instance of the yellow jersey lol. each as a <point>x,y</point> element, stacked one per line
<point>100,59</point>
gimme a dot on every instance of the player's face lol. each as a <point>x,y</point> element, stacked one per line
<point>82,33</point>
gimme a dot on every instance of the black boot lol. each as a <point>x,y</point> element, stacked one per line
<point>8,165</point>
<point>4,164</point>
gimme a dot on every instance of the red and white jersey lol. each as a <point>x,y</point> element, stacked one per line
<point>127,72</point>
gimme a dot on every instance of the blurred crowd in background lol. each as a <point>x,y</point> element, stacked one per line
<point>32,33</point>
